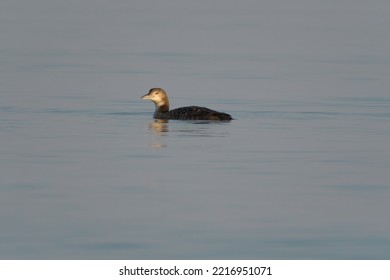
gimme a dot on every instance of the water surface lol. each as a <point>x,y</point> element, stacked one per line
<point>301,173</point>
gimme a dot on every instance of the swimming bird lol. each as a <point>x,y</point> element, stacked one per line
<point>160,99</point>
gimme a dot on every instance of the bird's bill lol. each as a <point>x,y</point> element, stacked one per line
<point>146,96</point>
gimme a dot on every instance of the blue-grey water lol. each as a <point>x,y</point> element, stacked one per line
<point>303,172</point>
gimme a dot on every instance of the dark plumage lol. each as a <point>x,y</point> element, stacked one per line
<point>160,99</point>
<point>197,113</point>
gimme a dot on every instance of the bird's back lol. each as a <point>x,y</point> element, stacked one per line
<point>197,113</point>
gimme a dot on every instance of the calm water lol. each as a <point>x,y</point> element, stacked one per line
<point>301,173</point>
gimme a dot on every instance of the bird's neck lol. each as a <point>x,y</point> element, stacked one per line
<point>162,107</point>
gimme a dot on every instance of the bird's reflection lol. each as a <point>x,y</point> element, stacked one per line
<point>196,128</point>
<point>159,128</point>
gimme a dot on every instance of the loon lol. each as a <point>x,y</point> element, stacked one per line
<point>160,99</point>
